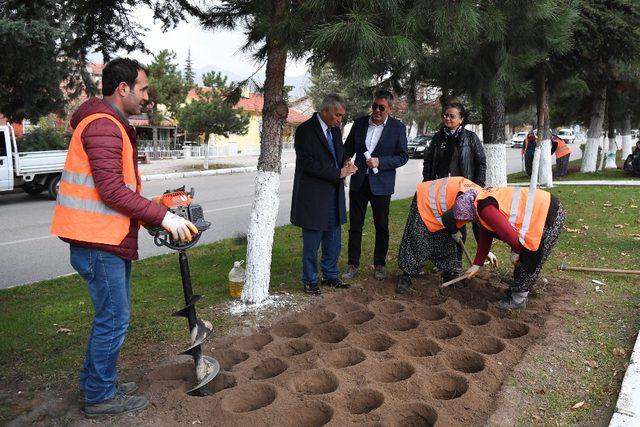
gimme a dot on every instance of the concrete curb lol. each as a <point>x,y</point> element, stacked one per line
<point>190,174</point>
<point>618,183</point>
<point>627,411</point>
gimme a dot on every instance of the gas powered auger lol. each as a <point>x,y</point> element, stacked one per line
<point>179,202</point>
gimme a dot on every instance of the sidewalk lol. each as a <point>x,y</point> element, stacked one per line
<point>612,183</point>
<point>180,168</point>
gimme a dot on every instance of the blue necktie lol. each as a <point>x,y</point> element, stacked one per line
<point>332,148</point>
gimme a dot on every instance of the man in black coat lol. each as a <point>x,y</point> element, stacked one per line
<point>318,204</point>
<point>379,142</point>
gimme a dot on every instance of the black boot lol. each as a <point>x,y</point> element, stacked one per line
<point>404,284</point>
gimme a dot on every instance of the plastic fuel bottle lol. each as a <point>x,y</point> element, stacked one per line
<point>236,279</point>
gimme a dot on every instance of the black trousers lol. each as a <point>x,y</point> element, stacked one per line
<point>358,201</point>
<point>562,166</point>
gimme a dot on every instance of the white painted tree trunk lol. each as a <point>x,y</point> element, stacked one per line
<point>610,162</point>
<point>535,168</point>
<point>603,151</point>
<point>260,237</point>
<point>496,165</point>
<point>627,142</point>
<point>590,155</point>
<point>627,146</point>
<point>545,172</point>
<point>205,163</point>
<point>594,135</point>
<point>413,130</point>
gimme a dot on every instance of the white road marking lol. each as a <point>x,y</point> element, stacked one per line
<point>227,208</point>
<point>31,239</point>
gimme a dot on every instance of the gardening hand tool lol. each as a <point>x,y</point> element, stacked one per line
<point>457,237</point>
<point>456,280</point>
<point>179,203</point>
<point>565,266</point>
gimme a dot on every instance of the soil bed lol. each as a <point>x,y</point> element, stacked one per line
<point>361,356</point>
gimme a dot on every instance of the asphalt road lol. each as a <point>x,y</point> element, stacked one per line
<point>28,253</point>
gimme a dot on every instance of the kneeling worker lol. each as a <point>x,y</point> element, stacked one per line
<point>530,223</point>
<point>425,237</point>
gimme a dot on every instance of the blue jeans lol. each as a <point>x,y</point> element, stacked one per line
<point>331,241</point>
<point>108,277</point>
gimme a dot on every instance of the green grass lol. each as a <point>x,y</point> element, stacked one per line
<point>35,355</point>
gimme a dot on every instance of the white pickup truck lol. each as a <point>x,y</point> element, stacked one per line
<point>34,172</point>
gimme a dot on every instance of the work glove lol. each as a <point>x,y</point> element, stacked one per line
<point>515,258</point>
<point>180,228</point>
<point>472,271</point>
<point>457,237</point>
<point>493,260</point>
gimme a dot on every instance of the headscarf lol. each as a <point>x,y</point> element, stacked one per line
<point>463,209</point>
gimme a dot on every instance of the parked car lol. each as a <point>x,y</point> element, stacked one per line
<point>418,145</point>
<point>517,140</point>
<point>567,135</point>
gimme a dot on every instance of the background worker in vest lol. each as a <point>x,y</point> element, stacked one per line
<point>97,212</point>
<point>529,225</point>
<point>563,153</point>
<point>528,151</point>
<point>384,140</point>
<point>425,237</point>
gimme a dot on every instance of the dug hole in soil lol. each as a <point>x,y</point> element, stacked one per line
<point>363,356</point>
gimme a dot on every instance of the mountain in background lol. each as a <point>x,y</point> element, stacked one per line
<point>298,82</point>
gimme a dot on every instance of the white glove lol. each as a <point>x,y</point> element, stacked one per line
<point>180,228</point>
<point>515,258</point>
<point>493,260</point>
<point>457,237</point>
<point>472,271</point>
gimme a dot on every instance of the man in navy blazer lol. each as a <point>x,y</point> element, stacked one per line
<point>379,142</point>
<point>318,202</point>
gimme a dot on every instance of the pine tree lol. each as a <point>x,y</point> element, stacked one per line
<point>189,74</point>
<point>274,29</point>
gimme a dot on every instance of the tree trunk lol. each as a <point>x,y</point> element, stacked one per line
<point>612,149</point>
<point>544,174</point>
<point>594,135</point>
<point>155,155</point>
<point>627,142</point>
<point>205,162</point>
<point>493,124</point>
<point>267,184</point>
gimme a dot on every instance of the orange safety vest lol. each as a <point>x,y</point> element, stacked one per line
<point>80,213</point>
<point>526,212</point>
<point>562,149</point>
<point>436,197</point>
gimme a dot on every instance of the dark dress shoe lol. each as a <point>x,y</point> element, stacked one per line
<point>335,283</point>
<point>312,289</point>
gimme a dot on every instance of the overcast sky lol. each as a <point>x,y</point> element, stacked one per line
<point>219,49</point>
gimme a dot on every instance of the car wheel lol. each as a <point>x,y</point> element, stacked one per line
<point>53,185</point>
<point>32,189</point>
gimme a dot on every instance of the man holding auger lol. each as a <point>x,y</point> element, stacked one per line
<point>98,212</point>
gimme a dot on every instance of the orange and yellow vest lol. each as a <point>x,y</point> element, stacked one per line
<point>436,197</point>
<point>80,213</point>
<point>562,149</point>
<point>526,212</point>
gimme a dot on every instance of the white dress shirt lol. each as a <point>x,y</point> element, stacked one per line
<point>374,132</point>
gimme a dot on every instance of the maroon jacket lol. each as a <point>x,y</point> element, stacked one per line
<point>102,141</point>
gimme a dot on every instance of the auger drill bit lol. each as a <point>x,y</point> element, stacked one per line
<point>179,202</point>
<point>206,367</point>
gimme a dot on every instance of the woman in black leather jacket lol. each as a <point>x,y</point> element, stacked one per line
<point>455,151</point>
